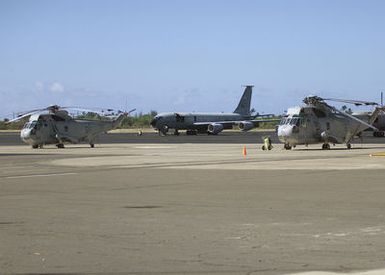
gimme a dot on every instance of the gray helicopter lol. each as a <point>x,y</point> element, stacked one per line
<point>318,122</point>
<point>54,125</point>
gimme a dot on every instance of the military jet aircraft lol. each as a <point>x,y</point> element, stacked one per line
<point>318,122</point>
<point>54,125</point>
<point>211,123</point>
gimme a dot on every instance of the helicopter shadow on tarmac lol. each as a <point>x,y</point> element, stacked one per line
<point>21,154</point>
<point>338,149</point>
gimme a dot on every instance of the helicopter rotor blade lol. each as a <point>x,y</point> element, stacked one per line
<point>355,102</point>
<point>21,116</point>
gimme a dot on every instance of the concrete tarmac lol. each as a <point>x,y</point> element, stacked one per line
<point>230,137</point>
<point>13,138</point>
<point>191,209</point>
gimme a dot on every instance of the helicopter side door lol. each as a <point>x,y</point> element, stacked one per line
<point>42,129</point>
<point>310,126</point>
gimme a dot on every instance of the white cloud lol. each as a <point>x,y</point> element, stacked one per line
<point>56,87</point>
<point>187,97</point>
<point>39,86</point>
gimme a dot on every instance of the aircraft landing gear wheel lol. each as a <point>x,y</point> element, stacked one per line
<point>163,131</point>
<point>287,146</point>
<point>263,147</point>
<point>191,132</point>
<point>92,145</point>
<point>60,145</point>
<point>349,146</point>
<point>326,146</point>
<point>35,146</point>
<point>176,133</point>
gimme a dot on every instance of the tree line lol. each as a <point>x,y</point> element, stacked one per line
<point>138,120</point>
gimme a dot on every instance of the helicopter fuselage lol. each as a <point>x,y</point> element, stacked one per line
<point>49,129</point>
<point>312,125</point>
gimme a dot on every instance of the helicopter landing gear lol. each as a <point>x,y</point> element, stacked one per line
<point>287,146</point>
<point>326,146</point>
<point>60,145</point>
<point>348,145</point>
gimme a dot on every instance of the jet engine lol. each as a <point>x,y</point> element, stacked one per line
<point>214,128</point>
<point>245,126</point>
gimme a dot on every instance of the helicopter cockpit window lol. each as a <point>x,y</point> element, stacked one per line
<point>283,121</point>
<point>33,125</point>
<point>295,121</point>
<point>291,121</point>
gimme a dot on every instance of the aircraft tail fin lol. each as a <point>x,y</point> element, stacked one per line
<point>243,107</point>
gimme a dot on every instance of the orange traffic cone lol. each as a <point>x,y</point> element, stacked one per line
<point>244,151</point>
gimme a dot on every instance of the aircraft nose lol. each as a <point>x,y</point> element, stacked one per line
<point>153,123</point>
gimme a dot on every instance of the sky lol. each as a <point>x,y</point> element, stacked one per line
<point>188,55</point>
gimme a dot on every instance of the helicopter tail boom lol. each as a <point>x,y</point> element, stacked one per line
<point>375,114</point>
<point>116,122</point>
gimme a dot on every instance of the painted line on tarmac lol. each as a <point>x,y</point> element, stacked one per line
<point>41,175</point>
<point>370,272</point>
<point>379,154</point>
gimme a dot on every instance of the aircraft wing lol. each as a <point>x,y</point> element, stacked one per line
<point>266,120</point>
<point>244,125</point>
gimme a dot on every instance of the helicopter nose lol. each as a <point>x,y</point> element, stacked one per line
<point>26,134</point>
<point>285,131</point>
